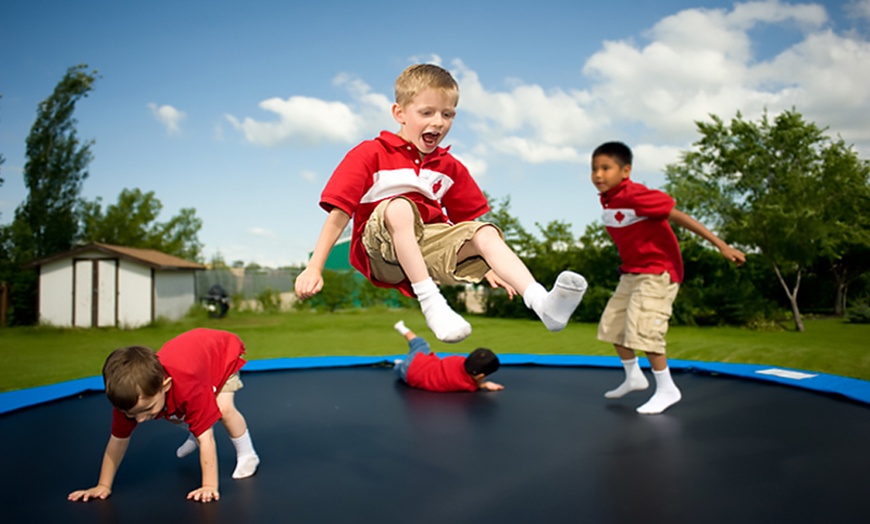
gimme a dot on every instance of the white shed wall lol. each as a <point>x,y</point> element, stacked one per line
<point>175,293</point>
<point>56,293</point>
<point>83,293</point>
<point>107,293</point>
<point>134,300</point>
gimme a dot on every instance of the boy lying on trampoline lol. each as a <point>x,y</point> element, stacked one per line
<point>425,370</point>
<point>414,209</point>
<point>191,380</point>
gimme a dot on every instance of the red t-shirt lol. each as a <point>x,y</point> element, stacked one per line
<point>387,167</point>
<point>199,361</point>
<point>430,372</point>
<point>636,217</point>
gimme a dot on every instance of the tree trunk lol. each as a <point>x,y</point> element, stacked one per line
<point>840,304</point>
<point>792,296</point>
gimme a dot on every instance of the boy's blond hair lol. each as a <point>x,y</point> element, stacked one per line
<point>419,77</point>
<point>132,372</point>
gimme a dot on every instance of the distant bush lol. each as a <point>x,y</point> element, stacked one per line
<point>269,300</point>
<point>859,314</point>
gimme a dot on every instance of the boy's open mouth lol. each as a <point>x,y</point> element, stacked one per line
<point>430,139</point>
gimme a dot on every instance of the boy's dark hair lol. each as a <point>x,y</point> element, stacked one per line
<point>481,360</point>
<point>615,150</point>
<point>130,372</point>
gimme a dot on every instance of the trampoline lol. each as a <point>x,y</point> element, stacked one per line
<point>342,441</point>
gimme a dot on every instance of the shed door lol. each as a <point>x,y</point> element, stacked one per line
<point>95,300</point>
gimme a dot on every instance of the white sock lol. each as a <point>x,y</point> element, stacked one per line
<point>634,380</point>
<point>555,308</point>
<point>188,447</point>
<point>246,458</point>
<point>667,394</point>
<point>400,327</point>
<point>447,325</point>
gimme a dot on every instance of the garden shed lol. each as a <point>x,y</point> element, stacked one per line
<point>101,285</point>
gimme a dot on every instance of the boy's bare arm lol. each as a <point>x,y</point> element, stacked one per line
<point>114,454</point>
<point>685,221</point>
<point>310,281</point>
<point>208,462</point>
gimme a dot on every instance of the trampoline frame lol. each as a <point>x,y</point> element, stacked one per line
<point>850,388</point>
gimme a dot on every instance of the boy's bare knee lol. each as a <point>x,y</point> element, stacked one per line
<point>398,208</point>
<point>486,235</point>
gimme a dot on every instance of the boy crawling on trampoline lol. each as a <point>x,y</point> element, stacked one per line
<point>425,370</point>
<point>191,380</point>
<point>414,209</point>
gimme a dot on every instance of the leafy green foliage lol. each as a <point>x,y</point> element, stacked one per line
<point>131,222</point>
<point>46,222</point>
<point>780,187</point>
<point>55,170</point>
<point>859,314</point>
<point>269,300</point>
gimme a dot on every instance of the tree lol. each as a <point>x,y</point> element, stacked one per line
<point>132,223</point>
<point>846,251</point>
<point>765,186</point>
<point>46,222</point>
<point>1,160</point>
<point>55,168</point>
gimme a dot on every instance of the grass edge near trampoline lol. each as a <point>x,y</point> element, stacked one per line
<point>36,356</point>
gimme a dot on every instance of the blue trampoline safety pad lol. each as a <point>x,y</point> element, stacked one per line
<point>851,388</point>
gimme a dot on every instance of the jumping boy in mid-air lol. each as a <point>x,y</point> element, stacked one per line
<point>413,206</point>
<point>423,369</point>
<point>636,316</point>
<point>192,379</point>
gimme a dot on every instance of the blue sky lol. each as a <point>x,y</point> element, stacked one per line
<point>241,110</point>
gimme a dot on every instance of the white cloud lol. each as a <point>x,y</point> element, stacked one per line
<point>308,176</point>
<point>526,121</point>
<point>261,232</point>
<point>859,9</point>
<point>168,116</point>
<point>305,120</point>
<point>687,66</point>
<point>476,164</point>
<point>700,62</point>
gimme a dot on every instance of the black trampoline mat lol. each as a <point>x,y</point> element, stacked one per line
<point>354,445</point>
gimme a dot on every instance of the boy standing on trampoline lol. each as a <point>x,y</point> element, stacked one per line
<point>191,380</point>
<point>636,316</point>
<point>423,369</point>
<point>413,206</point>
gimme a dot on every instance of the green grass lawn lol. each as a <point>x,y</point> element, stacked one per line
<point>41,355</point>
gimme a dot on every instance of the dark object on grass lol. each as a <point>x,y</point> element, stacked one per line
<point>217,301</point>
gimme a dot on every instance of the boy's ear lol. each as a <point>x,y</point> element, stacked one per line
<point>478,377</point>
<point>626,171</point>
<point>167,383</point>
<point>399,114</point>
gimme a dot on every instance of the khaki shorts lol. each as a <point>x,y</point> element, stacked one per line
<point>439,244</point>
<point>636,316</point>
<point>233,384</point>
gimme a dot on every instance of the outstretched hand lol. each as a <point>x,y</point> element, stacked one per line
<point>734,255</point>
<point>491,386</point>
<point>84,495</point>
<point>496,282</point>
<point>308,283</point>
<point>204,494</point>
